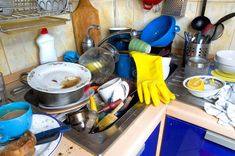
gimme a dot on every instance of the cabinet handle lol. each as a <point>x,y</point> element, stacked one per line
<point>220,139</point>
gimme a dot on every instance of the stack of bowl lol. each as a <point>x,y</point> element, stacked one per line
<point>224,61</point>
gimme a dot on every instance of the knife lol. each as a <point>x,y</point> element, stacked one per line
<point>50,135</point>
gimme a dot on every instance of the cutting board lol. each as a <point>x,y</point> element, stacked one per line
<point>84,16</point>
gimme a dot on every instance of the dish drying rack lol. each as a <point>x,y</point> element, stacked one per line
<point>22,15</point>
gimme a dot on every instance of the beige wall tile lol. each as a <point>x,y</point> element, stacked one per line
<point>185,24</point>
<point>216,10</point>
<point>232,45</point>
<point>20,50</point>
<point>124,13</point>
<point>106,14</point>
<point>143,17</point>
<point>18,55</point>
<point>4,68</point>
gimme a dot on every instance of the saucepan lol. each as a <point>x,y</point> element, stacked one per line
<point>59,83</point>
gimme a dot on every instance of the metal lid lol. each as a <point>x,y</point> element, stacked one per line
<point>198,62</point>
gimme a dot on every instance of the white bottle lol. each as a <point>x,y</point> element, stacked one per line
<point>46,43</point>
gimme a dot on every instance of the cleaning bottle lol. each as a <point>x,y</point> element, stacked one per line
<point>46,43</point>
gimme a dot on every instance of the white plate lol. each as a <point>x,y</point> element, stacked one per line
<point>42,122</point>
<point>48,77</point>
<point>85,97</point>
<point>53,5</point>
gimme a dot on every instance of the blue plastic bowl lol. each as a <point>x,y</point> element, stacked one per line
<point>160,32</point>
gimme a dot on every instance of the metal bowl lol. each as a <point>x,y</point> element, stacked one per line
<point>210,88</point>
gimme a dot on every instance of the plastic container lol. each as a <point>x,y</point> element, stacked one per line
<point>46,43</point>
<point>160,32</point>
<point>196,66</point>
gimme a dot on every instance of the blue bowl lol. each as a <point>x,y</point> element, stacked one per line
<point>14,127</point>
<point>161,31</point>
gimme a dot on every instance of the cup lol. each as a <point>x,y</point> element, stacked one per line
<point>15,119</point>
<point>125,67</point>
<point>2,90</point>
<point>113,90</point>
<point>139,45</point>
<point>148,4</point>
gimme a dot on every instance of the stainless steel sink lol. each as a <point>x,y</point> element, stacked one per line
<point>96,143</point>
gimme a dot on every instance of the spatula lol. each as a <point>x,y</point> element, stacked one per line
<point>110,118</point>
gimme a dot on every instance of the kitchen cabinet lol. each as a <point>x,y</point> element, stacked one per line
<point>184,139</point>
<point>150,146</point>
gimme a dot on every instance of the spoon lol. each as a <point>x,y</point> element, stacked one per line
<point>215,30</point>
<point>200,22</point>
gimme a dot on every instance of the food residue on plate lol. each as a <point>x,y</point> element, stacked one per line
<point>70,81</point>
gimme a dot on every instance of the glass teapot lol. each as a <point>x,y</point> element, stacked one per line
<point>100,61</point>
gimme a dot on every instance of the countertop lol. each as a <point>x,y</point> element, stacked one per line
<point>131,141</point>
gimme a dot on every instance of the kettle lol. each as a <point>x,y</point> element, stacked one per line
<point>88,42</point>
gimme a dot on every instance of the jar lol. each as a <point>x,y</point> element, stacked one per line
<point>100,61</point>
<point>196,66</point>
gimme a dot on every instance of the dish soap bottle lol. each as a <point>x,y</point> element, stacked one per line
<point>46,43</point>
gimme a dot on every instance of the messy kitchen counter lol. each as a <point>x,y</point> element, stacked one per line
<point>137,133</point>
<point>69,94</point>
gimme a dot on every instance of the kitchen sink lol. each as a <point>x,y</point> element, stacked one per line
<point>95,143</point>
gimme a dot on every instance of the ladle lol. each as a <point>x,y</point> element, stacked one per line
<point>200,22</point>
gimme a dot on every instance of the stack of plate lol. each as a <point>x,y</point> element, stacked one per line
<point>225,64</point>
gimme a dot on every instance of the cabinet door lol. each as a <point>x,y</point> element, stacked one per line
<point>184,139</point>
<point>151,144</point>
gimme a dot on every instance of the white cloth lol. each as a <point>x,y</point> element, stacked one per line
<point>223,108</point>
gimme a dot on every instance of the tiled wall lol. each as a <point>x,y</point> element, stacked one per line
<point>19,51</point>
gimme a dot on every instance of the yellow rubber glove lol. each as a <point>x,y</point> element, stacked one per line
<point>150,82</point>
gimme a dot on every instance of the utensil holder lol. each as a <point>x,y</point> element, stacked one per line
<point>199,50</point>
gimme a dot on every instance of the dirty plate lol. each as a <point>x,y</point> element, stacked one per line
<point>212,85</point>
<point>41,123</point>
<point>50,77</point>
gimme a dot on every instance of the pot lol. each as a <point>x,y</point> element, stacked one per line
<point>59,83</point>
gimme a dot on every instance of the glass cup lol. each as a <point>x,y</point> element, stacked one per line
<point>2,90</point>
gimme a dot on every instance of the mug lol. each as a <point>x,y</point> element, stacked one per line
<point>113,90</point>
<point>15,119</point>
<point>139,45</point>
<point>125,67</point>
<point>148,4</point>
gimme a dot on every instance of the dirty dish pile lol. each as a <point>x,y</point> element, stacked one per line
<point>59,83</point>
<point>224,61</point>
<point>203,86</point>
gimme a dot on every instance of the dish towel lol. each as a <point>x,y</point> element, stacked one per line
<point>222,106</point>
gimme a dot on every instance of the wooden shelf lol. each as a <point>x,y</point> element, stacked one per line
<point>10,27</point>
